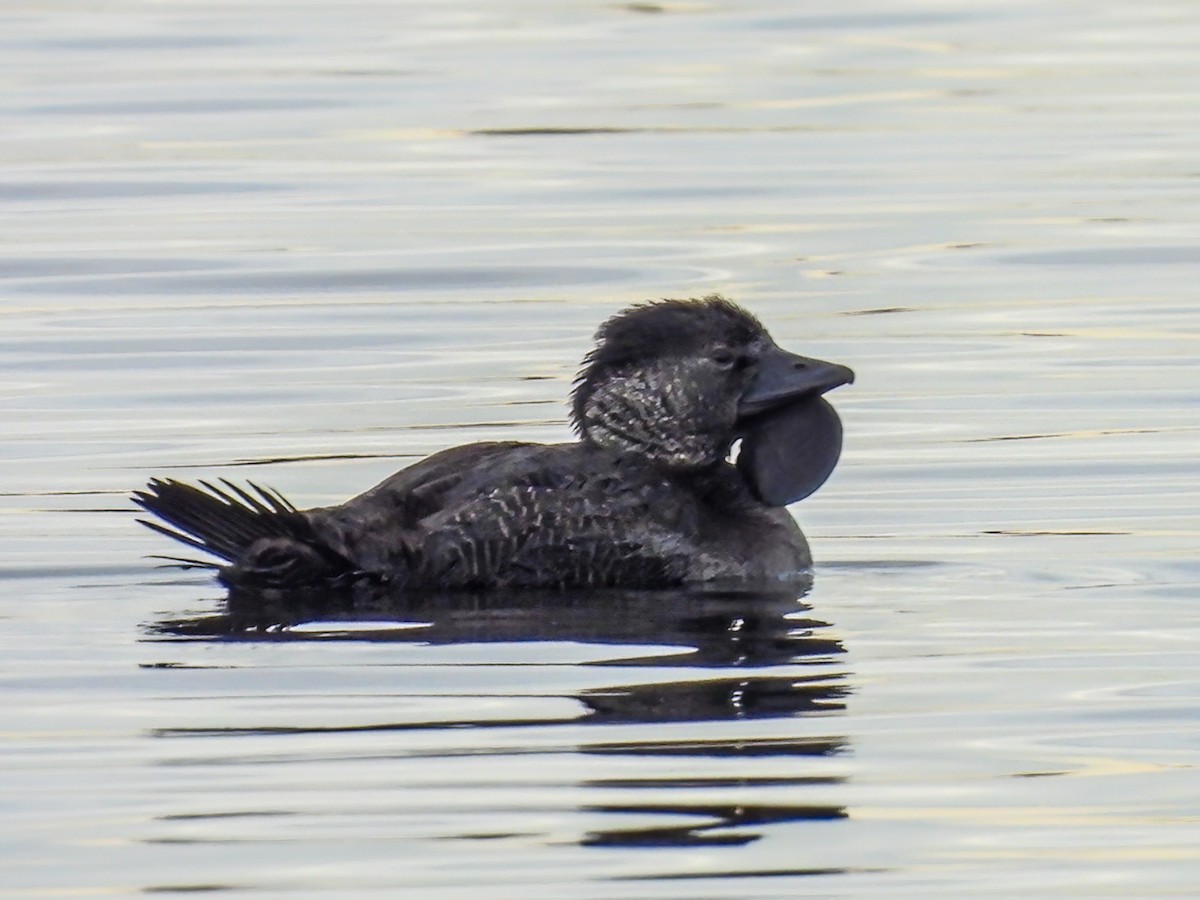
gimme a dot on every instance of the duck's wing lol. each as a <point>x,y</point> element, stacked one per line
<point>510,515</point>
<point>575,534</point>
<point>402,500</point>
<point>382,529</point>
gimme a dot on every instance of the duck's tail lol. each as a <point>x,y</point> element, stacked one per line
<point>259,535</point>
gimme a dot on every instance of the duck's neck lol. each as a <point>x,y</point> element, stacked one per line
<point>626,415</point>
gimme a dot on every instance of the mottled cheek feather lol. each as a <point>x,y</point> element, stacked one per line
<point>659,415</point>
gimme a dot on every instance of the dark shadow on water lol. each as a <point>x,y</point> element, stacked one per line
<point>746,645</point>
<point>713,628</point>
<point>712,829</point>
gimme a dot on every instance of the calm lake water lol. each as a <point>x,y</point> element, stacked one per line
<point>309,242</point>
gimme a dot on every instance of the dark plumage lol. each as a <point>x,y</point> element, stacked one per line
<point>646,497</point>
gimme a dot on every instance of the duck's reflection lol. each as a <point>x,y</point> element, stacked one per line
<point>747,647</point>
<point>737,631</point>
<point>718,629</point>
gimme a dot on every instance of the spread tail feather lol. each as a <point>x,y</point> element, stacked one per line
<point>254,530</point>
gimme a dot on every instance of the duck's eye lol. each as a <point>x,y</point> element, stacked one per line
<point>731,360</point>
<point>725,358</point>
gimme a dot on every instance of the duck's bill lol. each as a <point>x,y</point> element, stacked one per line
<point>785,377</point>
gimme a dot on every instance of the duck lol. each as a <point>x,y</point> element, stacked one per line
<point>695,431</point>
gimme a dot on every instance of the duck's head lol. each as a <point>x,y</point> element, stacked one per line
<point>678,381</point>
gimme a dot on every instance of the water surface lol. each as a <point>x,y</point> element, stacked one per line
<point>310,243</point>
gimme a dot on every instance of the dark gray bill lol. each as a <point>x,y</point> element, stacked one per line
<point>784,377</point>
<point>789,452</point>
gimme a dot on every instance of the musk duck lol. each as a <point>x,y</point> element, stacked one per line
<point>647,497</point>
